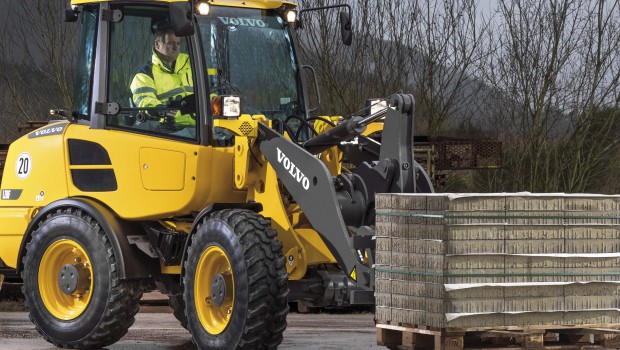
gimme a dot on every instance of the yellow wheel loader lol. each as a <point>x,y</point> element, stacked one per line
<point>226,195</point>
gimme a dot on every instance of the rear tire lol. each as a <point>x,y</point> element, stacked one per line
<point>239,250</point>
<point>97,308</point>
<point>177,303</point>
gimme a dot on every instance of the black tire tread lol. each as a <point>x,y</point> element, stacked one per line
<point>177,304</point>
<point>123,301</point>
<point>267,277</point>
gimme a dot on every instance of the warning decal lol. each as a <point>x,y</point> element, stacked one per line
<point>353,274</point>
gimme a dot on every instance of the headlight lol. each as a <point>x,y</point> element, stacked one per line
<point>291,16</point>
<point>203,8</point>
<point>226,106</point>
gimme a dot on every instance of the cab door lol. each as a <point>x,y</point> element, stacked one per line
<point>139,159</point>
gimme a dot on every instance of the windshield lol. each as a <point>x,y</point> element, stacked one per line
<point>248,53</point>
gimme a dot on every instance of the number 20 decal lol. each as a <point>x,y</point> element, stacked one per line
<point>23,165</point>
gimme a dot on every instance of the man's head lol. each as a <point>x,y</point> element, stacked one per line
<point>167,44</point>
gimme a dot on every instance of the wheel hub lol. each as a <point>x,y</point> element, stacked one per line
<point>218,289</point>
<point>214,290</point>
<point>73,279</point>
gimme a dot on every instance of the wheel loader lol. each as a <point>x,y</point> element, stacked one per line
<point>254,203</point>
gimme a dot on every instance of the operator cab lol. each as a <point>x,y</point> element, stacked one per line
<point>234,51</point>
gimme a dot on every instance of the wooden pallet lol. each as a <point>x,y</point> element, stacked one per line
<point>398,336</point>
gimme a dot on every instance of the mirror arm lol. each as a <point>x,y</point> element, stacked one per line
<point>324,8</point>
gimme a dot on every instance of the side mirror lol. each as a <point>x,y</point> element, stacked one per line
<point>182,18</point>
<point>345,28</point>
<point>70,15</point>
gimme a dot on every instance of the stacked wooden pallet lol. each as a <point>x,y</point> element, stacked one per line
<point>497,260</point>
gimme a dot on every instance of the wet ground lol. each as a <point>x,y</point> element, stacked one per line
<point>155,328</point>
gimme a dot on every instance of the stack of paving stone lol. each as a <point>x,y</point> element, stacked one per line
<point>490,260</point>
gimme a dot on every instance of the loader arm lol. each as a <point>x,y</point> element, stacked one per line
<point>308,180</point>
<point>311,184</point>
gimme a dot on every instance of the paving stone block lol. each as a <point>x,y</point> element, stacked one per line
<point>529,232</point>
<point>523,262</point>
<point>400,245</point>
<point>475,276</point>
<point>593,232</point>
<point>592,203</point>
<point>473,262</point>
<point>382,272</point>
<point>383,229</point>
<point>408,302</point>
<point>592,246</point>
<point>383,243</point>
<point>383,257</point>
<point>592,289</point>
<point>577,217</point>
<point>534,246</point>
<point>383,285</point>
<point>589,302</point>
<point>534,304</point>
<point>408,317</point>
<point>471,305</point>
<point>474,217</point>
<point>494,292</point>
<point>533,217</point>
<point>383,299</point>
<point>534,291</point>
<point>383,201</point>
<point>528,274</point>
<point>478,246</point>
<point>591,317</point>
<point>383,313</point>
<point>535,203</point>
<point>474,232</point>
<point>409,201</point>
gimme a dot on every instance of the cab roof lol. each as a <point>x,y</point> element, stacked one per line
<point>258,4</point>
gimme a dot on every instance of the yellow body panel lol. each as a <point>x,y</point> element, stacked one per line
<point>160,169</point>
<point>316,250</point>
<point>9,249</point>
<point>332,156</point>
<point>10,243</point>
<point>46,180</point>
<point>24,193</point>
<point>170,270</point>
<point>373,128</point>
<point>266,191</point>
<point>159,178</point>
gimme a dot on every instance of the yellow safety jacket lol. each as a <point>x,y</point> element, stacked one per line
<point>155,84</point>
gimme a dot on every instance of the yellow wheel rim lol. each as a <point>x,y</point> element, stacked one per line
<point>214,290</point>
<point>65,279</point>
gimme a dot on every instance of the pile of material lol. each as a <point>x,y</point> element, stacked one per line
<point>446,260</point>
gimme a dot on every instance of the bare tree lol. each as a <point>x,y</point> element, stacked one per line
<point>554,66</point>
<point>447,51</point>
<point>36,59</point>
<point>428,48</point>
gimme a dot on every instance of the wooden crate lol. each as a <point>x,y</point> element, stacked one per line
<point>592,336</point>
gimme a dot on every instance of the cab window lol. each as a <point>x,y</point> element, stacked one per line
<point>150,75</point>
<point>84,67</point>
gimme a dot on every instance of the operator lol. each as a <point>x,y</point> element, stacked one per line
<point>166,77</point>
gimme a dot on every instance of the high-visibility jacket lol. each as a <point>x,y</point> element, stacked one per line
<point>155,84</point>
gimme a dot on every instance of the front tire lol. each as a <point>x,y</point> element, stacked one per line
<point>235,283</point>
<point>71,284</point>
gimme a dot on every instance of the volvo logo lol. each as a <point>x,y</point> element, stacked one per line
<point>240,21</point>
<point>293,170</point>
<point>48,131</point>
